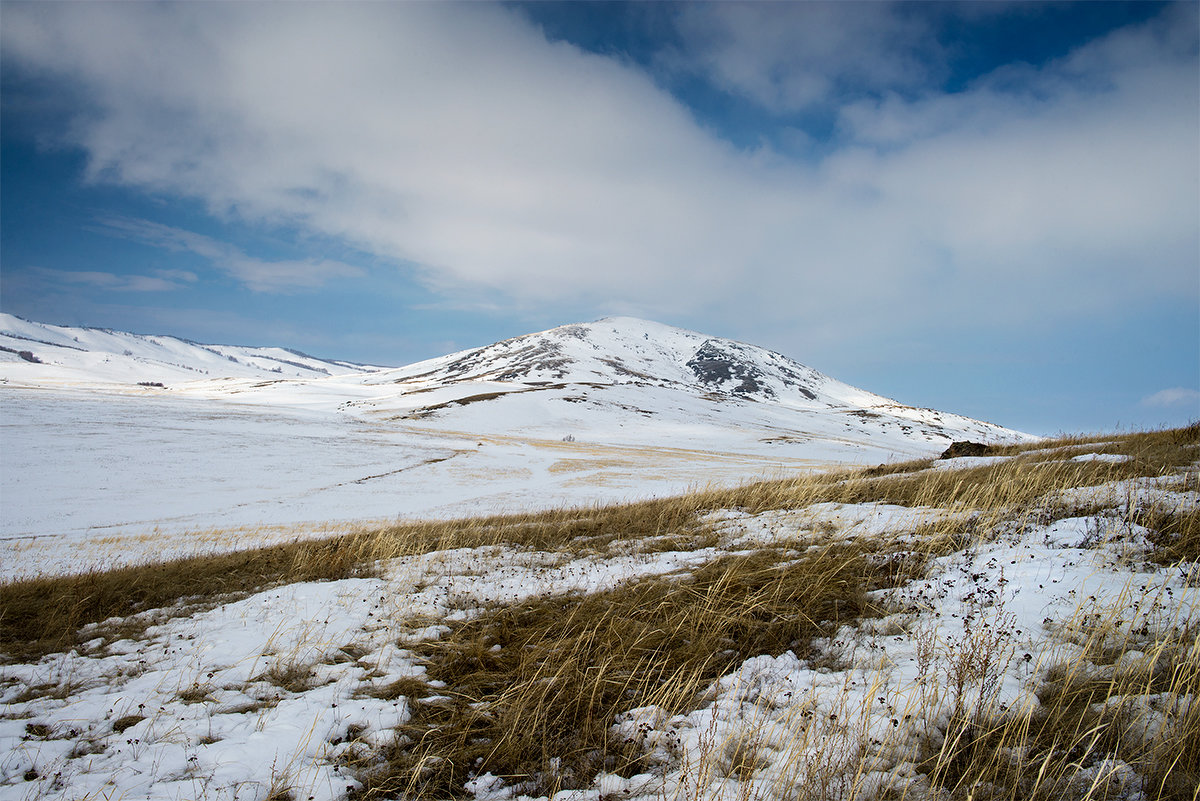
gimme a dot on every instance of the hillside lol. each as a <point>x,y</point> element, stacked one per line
<point>617,380</point>
<point>97,454</point>
<point>645,376</point>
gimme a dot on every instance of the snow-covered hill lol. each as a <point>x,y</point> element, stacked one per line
<point>625,350</point>
<point>595,379</point>
<point>51,354</point>
<point>617,380</point>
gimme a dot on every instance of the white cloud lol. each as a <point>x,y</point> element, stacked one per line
<point>790,56</point>
<point>455,138</point>
<point>257,274</point>
<point>1176,396</point>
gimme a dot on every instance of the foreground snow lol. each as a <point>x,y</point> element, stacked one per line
<point>268,692</point>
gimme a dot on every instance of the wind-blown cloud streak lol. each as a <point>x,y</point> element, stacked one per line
<point>162,281</point>
<point>256,274</point>
<point>456,140</point>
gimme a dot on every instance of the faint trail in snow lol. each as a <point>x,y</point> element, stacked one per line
<point>425,463</point>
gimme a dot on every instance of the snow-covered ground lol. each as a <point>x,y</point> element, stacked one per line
<point>96,479</point>
<point>199,707</point>
<point>115,447</point>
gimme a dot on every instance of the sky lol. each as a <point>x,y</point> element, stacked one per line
<point>986,208</point>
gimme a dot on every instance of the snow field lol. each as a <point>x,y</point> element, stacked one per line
<point>109,434</point>
<point>96,481</point>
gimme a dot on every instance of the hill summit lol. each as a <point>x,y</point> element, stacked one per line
<point>626,350</point>
<point>623,372</point>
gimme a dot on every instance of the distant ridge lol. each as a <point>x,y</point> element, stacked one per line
<point>618,380</point>
<point>103,355</point>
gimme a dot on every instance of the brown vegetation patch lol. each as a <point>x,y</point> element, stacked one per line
<point>535,687</point>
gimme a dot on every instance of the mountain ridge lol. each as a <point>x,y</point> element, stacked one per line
<point>717,365</point>
<point>614,380</point>
<point>712,363</point>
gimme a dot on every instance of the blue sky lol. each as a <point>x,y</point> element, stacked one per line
<point>988,208</point>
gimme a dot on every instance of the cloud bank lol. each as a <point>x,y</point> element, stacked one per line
<point>456,140</point>
<point>789,57</point>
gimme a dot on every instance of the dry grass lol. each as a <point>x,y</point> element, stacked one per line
<point>535,688</point>
<point>42,615</point>
<point>1176,533</point>
<point>289,674</point>
<point>1099,731</point>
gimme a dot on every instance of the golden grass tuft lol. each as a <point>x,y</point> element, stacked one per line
<point>1096,733</point>
<point>535,687</point>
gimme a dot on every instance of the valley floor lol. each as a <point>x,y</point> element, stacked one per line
<point>97,479</point>
<point>1015,626</point>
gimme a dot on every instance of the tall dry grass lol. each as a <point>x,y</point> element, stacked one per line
<point>533,689</point>
<point>1118,718</point>
<point>43,614</point>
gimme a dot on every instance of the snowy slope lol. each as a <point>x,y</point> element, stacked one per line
<point>619,380</point>
<point>626,350</point>
<point>61,354</point>
<point>607,411</point>
<point>651,379</point>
